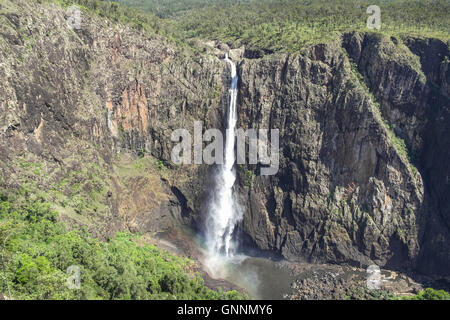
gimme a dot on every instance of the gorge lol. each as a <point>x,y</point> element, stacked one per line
<point>364,122</point>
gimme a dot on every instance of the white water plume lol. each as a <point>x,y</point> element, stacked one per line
<point>223,212</point>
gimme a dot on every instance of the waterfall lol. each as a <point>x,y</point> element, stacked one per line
<point>223,213</point>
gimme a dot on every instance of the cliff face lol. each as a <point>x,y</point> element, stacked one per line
<point>78,106</point>
<point>418,113</point>
<point>75,103</point>
<point>349,189</point>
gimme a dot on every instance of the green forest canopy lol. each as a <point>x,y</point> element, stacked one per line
<point>288,25</point>
<point>37,250</point>
<point>273,25</point>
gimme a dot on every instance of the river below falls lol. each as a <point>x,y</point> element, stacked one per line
<point>268,279</point>
<point>259,277</point>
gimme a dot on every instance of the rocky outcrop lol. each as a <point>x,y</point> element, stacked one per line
<point>74,99</point>
<point>409,77</point>
<point>331,282</point>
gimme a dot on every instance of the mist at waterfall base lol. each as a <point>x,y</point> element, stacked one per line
<point>223,212</point>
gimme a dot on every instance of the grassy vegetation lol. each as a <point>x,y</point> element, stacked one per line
<point>78,193</point>
<point>36,251</point>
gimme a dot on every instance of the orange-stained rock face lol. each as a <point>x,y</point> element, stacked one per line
<point>131,113</point>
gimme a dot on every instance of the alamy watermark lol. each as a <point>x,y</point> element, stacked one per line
<point>73,17</point>
<point>261,150</point>
<point>373,277</point>
<point>374,20</point>
<point>74,280</point>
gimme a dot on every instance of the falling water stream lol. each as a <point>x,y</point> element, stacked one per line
<point>221,259</point>
<point>223,213</point>
<point>260,277</point>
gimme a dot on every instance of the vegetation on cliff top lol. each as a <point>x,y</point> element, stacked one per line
<point>37,249</point>
<point>273,25</point>
<point>289,25</point>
